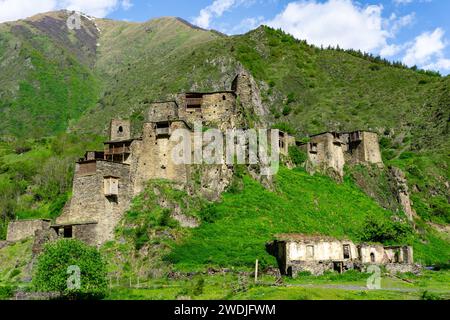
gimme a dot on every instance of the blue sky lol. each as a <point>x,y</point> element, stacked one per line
<point>416,32</point>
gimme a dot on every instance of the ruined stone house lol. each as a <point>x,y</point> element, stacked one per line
<point>332,150</point>
<point>316,254</point>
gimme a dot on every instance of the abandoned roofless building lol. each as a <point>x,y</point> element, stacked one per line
<point>316,254</point>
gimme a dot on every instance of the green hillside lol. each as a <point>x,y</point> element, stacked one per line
<point>245,221</point>
<point>45,81</point>
<point>59,89</point>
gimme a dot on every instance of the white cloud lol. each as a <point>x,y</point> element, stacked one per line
<point>402,1</point>
<point>217,9</point>
<point>11,10</point>
<point>247,24</point>
<point>97,8</point>
<point>395,24</point>
<point>335,22</point>
<point>425,48</point>
<point>126,4</point>
<point>441,64</point>
<point>391,50</point>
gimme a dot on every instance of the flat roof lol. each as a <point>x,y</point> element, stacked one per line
<point>211,92</point>
<point>73,224</point>
<point>121,141</point>
<point>101,160</point>
<point>305,237</point>
<point>170,121</point>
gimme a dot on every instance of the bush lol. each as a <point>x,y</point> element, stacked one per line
<point>297,156</point>
<point>406,155</point>
<point>286,110</point>
<point>53,274</point>
<point>381,229</point>
<point>285,127</point>
<point>6,292</point>
<point>426,295</point>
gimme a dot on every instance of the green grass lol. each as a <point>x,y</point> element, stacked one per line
<point>247,220</point>
<point>328,287</point>
<point>36,182</point>
<point>13,262</point>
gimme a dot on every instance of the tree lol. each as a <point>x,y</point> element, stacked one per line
<point>71,268</point>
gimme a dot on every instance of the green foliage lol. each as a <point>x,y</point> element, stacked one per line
<point>52,270</point>
<point>248,219</point>
<point>382,230</point>
<point>426,295</point>
<point>37,183</point>
<point>297,155</point>
<point>285,127</point>
<point>426,173</point>
<point>6,292</point>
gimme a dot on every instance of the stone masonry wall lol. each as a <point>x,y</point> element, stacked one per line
<point>372,152</point>
<point>218,110</point>
<point>89,203</point>
<point>324,153</point>
<point>120,130</point>
<point>152,158</point>
<point>22,229</point>
<point>162,111</point>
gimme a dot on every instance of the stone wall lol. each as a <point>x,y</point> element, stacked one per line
<point>120,130</point>
<point>163,111</point>
<point>332,150</point>
<point>320,250</point>
<point>217,110</point>
<point>325,152</point>
<point>22,229</point>
<point>41,238</point>
<point>372,254</point>
<point>152,157</point>
<point>316,254</point>
<point>90,204</point>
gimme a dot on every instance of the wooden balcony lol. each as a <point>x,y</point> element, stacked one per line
<point>117,150</point>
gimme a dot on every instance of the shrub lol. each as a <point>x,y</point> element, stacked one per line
<point>426,295</point>
<point>286,110</point>
<point>209,213</point>
<point>381,229</point>
<point>406,155</point>
<point>285,127</point>
<point>297,156</point>
<point>198,287</point>
<point>53,273</point>
<point>6,292</point>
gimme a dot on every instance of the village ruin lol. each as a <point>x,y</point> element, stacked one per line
<point>297,253</point>
<point>106,181</point>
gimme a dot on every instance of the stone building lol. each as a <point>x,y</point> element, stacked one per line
<point>317,254</point>
<point>332,150</point>
<point>106,181</point>
<point>23,229</point>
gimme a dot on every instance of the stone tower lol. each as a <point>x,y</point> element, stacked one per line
<point>242,85</point>
<point>120,130</point>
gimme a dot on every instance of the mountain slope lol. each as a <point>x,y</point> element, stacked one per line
<point>53,79</point>
<point>46,80</point>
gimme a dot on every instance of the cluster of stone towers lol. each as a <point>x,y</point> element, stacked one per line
<point>106,181</point>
